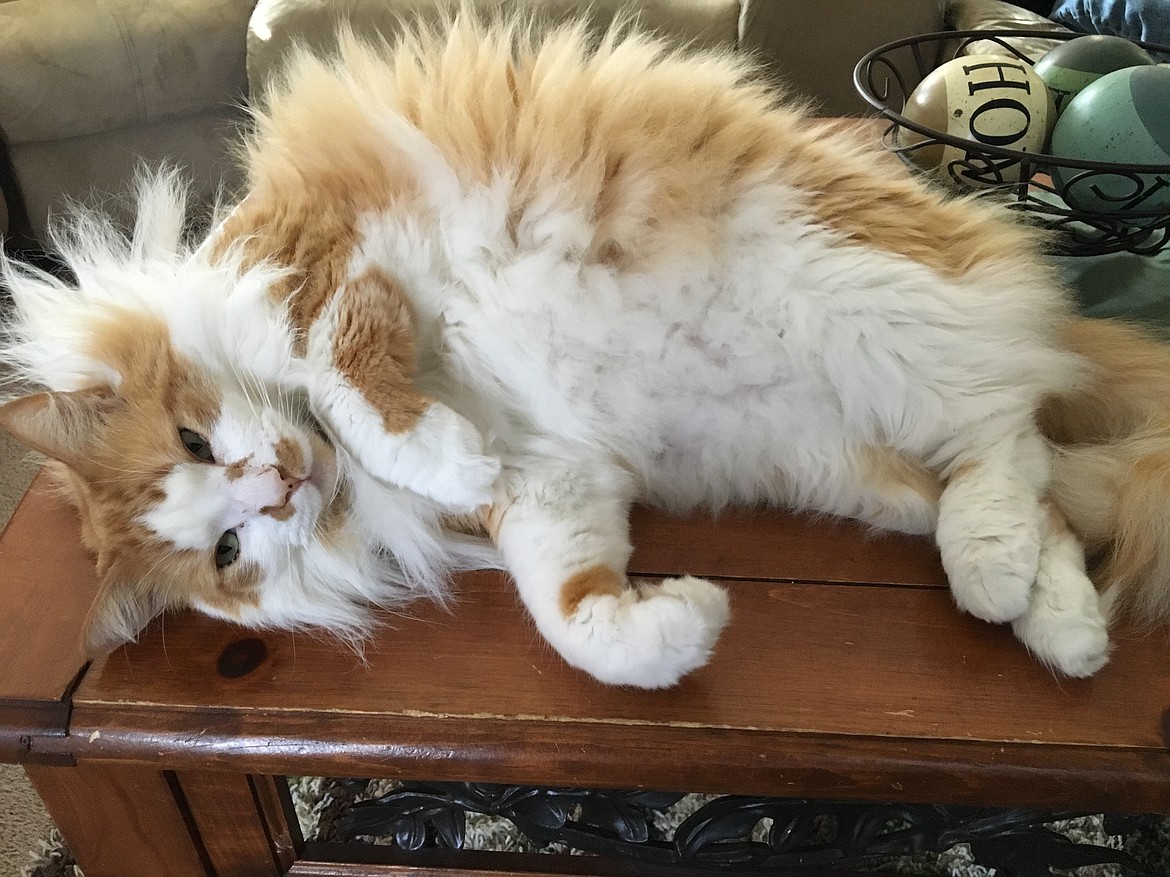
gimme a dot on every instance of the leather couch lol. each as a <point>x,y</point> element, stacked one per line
<point>90,89</point>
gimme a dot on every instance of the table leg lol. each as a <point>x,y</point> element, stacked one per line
<point>121,820</point>
<point>246,822</point>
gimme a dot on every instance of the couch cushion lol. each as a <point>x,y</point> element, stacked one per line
<point>998,15</point>
<point>97,169</point>
<point>70,68</point>
<point>278,24</point>
<point>813,46</point>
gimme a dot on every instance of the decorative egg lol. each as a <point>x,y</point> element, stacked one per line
<point>1072,65</point>
<point>993,100</point>
<point>1122,118</point>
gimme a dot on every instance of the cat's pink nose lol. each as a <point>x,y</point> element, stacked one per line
<point>265,488</point>
<point>288,487</point>
<point>291,486</point>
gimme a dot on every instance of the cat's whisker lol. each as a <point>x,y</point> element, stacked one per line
<point>162,629</point>
<point>148,575</point>
<point>257,386</point>
<point>241,380</point>
<point>260,386</point>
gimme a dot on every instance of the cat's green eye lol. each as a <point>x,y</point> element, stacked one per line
<point>227,549</point>
<point>198,446</point>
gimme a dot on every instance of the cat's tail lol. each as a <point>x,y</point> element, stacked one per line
<point>1112,470</point>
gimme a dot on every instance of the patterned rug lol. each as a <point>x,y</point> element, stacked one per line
<point>321,804</point>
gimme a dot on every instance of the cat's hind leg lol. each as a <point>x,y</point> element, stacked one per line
<point>565,538</point>
<point>990,521</point>
<point>1064,626</point>
<point>360,351</point>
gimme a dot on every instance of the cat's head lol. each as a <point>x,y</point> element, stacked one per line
<point>200,483</point>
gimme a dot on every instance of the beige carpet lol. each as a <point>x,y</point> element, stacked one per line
<point>23,821</point>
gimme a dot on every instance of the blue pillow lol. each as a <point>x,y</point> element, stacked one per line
<point>1133,19</point>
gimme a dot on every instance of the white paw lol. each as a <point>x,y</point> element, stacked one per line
<point>1066,627</point>
<point>1072,643</point>
<point>443,458</point>
<point>649,638</point>
<point>991,573</point>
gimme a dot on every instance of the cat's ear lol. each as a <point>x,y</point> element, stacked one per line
<point>64,426</point>
<point>118,615</point>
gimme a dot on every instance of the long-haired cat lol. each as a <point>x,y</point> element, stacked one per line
<point>532,279</point>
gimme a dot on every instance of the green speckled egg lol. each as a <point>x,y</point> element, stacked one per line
<point>1071,66</point>
<point>1122,118</point>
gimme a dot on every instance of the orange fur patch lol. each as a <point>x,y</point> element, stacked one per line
<point>315,240</point>
<point>484,521</point>
<point>307,191</point>
<point>374,349</point>
<point>132,449</point>
<point>1112,465</point>
<point>963,470</point>
<point>651,145</point>
<point>594,581</point>
<point>1114,497</point>
<point>307,196</point>
<point>856,190</point>
<point>888,467</point>
<point>493,518</point>
<point>279,512</point>
<point>290,460</point>
<point>238,469</point>
<point>1125,391</point>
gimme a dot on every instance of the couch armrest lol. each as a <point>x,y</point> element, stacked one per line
<point>813,46</point>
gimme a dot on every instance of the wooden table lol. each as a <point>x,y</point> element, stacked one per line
<point>846,673</point>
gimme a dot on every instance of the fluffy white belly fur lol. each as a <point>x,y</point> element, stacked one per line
<point>759,366</point>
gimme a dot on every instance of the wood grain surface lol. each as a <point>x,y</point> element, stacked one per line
<point>764,544</point>
<point>878,661</point>
<point>845,672</point>
<point>47,584</point>
<point>229,817</point>
<point>849,691</point>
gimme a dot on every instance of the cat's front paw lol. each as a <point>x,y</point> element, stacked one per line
<point>1074,644</point>
<point>991,569</point>
<point>1066,625</point>
<point>647,638</point>
<point>443,457</point>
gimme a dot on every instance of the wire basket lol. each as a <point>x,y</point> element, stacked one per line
<point>888,75</point>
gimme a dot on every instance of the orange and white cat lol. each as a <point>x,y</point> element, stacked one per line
<point>534,279</point>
